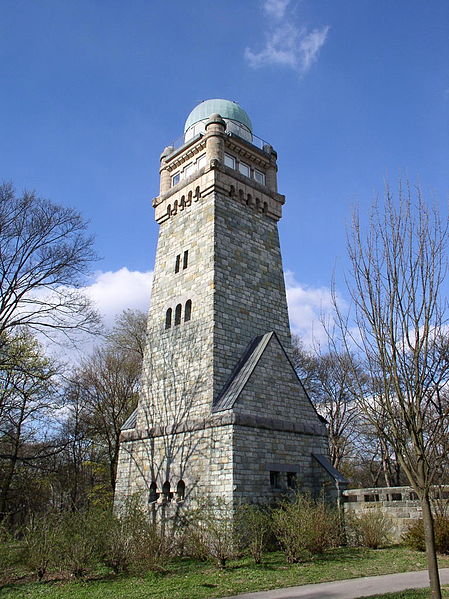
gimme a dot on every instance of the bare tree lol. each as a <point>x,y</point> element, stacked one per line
<point>398,270</point>
<point>328,378</point>
<point>106,384</point>
<point>44,253</point>
<point>129,332</point>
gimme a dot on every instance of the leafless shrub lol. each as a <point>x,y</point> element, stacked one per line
<point>372,529</point>
<point>305,527</point>
<point>254,529</point>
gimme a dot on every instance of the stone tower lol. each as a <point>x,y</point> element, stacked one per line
<point>221,409</point>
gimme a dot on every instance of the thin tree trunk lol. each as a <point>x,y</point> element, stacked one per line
<point>429,537</point>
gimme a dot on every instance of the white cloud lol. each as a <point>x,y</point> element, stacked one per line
<point>307,306</point>
<point>286,43</point>
<point>111,292</point>
<point>275,8</point>
<point>114,291</point>
<point>310,46</point>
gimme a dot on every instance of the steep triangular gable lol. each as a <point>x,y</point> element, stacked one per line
<point>280,385</point>
<point>241,373</point>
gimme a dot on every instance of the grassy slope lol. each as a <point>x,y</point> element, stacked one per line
<point>185,579</point>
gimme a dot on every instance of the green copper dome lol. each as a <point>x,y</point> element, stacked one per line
<point>225,108</point>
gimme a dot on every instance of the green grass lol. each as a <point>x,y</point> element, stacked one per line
<point>188,579</point>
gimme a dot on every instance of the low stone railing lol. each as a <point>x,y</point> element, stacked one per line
<point>400,504</point>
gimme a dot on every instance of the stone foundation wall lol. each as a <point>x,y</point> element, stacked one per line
<point>257,452</point>
<point>202,459</point>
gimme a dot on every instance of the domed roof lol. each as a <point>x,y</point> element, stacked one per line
<point>225,108</point>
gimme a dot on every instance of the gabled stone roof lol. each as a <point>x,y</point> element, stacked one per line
<point>241,373</point>
<point>130,422</point>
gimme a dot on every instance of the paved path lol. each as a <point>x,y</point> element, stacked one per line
<point>352,589</point>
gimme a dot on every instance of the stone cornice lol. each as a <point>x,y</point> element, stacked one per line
<point>226,419</point>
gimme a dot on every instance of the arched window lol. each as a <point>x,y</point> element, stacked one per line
<point>154,495</point>
<point>232,191</point>
<point>189,198</point>
<point>169,209</point>
<point>257,204</point>
<point>166,491</point>
<point>265,207</point>
<point>197,194</point>
<point>182,203</point>
<point>249,200</point>
<point>188,310</point>
<point>178,311</point>
<point>175,207</point>
<point>181,490</point>
<point>168,316</point>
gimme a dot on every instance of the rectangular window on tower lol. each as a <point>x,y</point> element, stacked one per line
<point>189,169</point>
<point>229,161</point>
<point>201,161</point>
<point>176,179</point>
<point>177,262</point>
<point>185,260</point>
<point>259,177</point>
<point>244,169</point>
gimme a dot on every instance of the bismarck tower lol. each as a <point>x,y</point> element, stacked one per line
<point>221,410</point>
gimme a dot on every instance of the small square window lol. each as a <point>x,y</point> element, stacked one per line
<point>229,161</point>
<point>275,479</point>
<point>259,177</point>
<point>176,179</point>
<point>201,161</point>
<point>244,169</point>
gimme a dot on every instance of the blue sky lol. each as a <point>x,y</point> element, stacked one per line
<point>349,92</point>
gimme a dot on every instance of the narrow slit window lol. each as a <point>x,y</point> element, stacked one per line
<point>185,260</point>
<point>181,490</point>
<point>188,310</point>
<point>178,314</point>
<point>154,495</point>
<point>167,494</point>
<point>168,316</point>
<point>178,262</point>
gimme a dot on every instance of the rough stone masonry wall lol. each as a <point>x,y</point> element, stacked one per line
<point>250,295</point>
<point>400,504</point>
<point>258,451</point>
<point>178,361</point>
<point>202,459</point>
